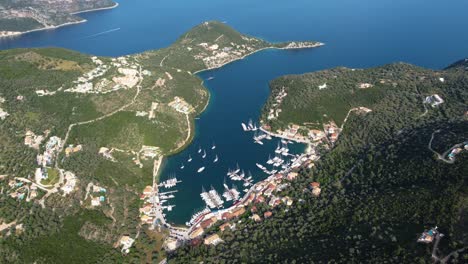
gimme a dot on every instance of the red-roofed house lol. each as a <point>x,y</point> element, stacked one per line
<point>208,222</point>
<point>260,199</point>
<point>314,185</point>
<point>226,216</point>
<point>224,226</point>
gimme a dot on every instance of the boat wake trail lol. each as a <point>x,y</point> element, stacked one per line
<point>102,33</point>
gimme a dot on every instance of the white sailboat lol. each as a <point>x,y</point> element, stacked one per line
<point>204,154</point>
<point>270,161</point>
<point>201,169</point>
<point>250,125</point>
<point>244,127</point>
<point>242,175</point>
<point>278,149</point>
<point>237,169</point>
<point>189,158</point>
<point>214,146</point>
<point>216,159</point>
<point>182,167</point>
<point>260,166</point>
<point>255,128</point>
<point>199,150</point>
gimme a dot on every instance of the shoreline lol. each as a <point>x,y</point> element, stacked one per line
<point>316,45</point>
<point>191,122</point>
<point>284,137</point>
<point>20,33</point>
<point>44,28</point>
<point>157,169</point>
<point>188,139</point>
<point>96,9</point>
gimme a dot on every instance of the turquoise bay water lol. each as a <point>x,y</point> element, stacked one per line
<point>361,33</point>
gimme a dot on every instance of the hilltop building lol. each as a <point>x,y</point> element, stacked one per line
<point>434,100</point>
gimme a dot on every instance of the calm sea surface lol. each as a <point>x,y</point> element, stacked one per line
<point>357,33</point>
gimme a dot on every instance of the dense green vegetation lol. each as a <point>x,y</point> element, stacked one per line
<point>381,185</point>
<point>19,24</point>
<point>394,87</point>
<point>68,228</point>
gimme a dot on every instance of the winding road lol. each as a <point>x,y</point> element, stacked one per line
<point>442,156</point>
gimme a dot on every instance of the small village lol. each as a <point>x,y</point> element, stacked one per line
<point>46,179</point>
<point>265,192</point>
<point>214,56</point>
<point>306,135</point>
<point>119,73</point>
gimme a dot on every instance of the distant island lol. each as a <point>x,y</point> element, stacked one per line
<point>22,16</point>
<point>83,138</point>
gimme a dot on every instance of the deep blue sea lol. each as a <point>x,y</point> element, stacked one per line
<point>357,33</point>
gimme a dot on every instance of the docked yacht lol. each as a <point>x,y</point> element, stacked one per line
<point>269,161</point>
<point>237,169</point>
<point>196,217</point>
<point>244,127</point>
<point>260,166</point>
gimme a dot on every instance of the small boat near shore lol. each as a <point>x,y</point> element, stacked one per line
<point>189,158</point>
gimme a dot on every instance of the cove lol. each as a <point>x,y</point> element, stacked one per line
<point>358,34</point>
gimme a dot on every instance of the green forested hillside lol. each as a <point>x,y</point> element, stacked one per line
<point>381,184</point>
<point>125,104</point>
